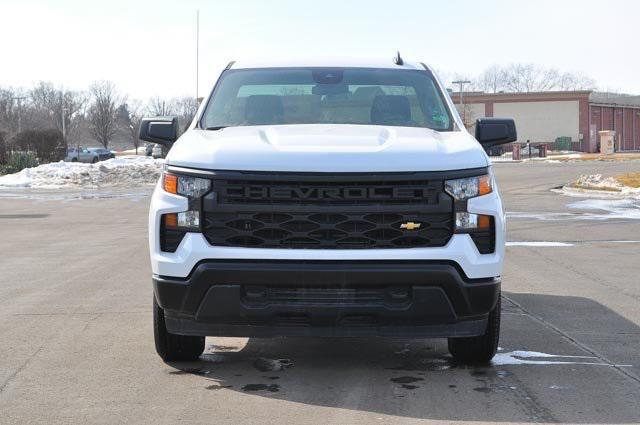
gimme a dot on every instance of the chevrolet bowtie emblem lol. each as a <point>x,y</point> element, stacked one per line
<point>410,225</point>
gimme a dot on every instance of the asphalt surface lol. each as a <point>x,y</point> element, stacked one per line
<point>76,340</point>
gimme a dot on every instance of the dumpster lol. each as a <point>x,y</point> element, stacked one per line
<point>562,144</point>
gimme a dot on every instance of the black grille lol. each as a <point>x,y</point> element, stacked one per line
<point>328,213</point>
<point>395,296</point>
<point>327,230</point>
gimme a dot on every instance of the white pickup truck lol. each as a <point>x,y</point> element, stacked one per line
<point>327,199</point>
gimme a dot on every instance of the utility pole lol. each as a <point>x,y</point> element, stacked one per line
<point>464,113</point>
<point>64,133</point>
<point>197,52</point>
<point>19,98</point>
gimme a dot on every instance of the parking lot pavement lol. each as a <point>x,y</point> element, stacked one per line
<point>77,347</point>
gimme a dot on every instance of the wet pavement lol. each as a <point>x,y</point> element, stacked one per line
<point>77,346</point>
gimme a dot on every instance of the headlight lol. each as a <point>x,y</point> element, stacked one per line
<point>480,227</point>
<point>175,225</point>
<point>191,187</point>
<point>469,187</point>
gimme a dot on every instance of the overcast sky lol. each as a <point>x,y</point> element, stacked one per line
<point>148,48</point>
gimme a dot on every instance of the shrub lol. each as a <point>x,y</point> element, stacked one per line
<point>49,145</point>
<point>18,161</point>
<point>3,148</point>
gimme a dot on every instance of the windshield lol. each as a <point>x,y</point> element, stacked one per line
<point>391,97</point>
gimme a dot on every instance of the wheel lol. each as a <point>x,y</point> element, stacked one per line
<point>478,349</point>
<point>94,160</point>
<point>171,347</point>
<point>74,159</point>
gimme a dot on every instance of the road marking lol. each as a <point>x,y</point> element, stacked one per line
<point>539,244</point>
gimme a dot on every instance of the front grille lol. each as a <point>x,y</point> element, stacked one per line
<point>326,230</point>
<point>328,212</point>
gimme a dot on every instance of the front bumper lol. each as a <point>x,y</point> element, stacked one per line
<point>251,298</point>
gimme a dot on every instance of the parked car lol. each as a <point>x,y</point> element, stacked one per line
<point>311,210</point>
<point>90,155</point>
<point>103,153</point>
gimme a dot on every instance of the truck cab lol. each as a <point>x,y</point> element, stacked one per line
<point>327,198</point>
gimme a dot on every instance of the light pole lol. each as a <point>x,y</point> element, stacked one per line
<point>197,51</point>
<point>62,109</point>
<point>462,83</point>
<point>19,98</point>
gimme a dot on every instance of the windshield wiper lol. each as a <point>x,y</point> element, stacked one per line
<point>217,127</point>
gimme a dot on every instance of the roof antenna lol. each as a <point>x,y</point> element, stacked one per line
<point>398,59</point>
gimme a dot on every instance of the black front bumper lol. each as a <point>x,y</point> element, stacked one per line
<point>326,298</point>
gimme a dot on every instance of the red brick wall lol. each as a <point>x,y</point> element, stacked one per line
<point>488,109</point>
<point>584,123</point>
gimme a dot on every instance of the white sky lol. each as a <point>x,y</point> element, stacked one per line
<point>148,48</point>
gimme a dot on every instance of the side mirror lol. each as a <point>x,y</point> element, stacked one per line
<point>160,130</point>
<point>495,131</point>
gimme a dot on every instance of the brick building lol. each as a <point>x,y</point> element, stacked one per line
<point>543,117</point>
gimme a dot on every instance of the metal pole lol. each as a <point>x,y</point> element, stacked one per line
<point>197,52</point>
<point>19,98</point>
<point>464,113</point>
<point>64,133</point>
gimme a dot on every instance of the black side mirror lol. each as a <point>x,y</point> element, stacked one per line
<point>160,130</point>
<point>495,131</point>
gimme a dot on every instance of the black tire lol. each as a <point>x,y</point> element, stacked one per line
<point>478,349</point>
<point>74,159</point>
<point>171,347</point>
<point>94,160</point>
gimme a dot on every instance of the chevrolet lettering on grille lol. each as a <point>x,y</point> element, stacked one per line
<point>325,193</point>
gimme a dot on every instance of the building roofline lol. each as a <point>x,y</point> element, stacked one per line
<point>477,96</point>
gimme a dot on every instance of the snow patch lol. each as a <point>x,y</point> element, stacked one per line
<point>533,358</point>
<point>612,208</point>
<point>121,171</point>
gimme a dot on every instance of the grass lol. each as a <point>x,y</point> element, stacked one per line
<point>630,179</point>
<point>598,157</point>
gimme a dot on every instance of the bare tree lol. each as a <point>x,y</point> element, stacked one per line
<point>130,115</point>
<point>569,81</point>
<point>491,80</point>
<point>103,112</point>
<point>50,105</point>
<point>160,107</point>
<point>522,78</point>
<point>186,109</point>
<point>14,111</point>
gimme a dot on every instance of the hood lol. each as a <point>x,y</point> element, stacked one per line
<point>327,148</point>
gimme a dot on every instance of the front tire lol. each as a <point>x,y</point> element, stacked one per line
<point>172,347</point>
<point>478,349</point>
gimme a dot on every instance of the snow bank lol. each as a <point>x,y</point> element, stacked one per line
<point>597,186</point>
<point>120,171</point>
